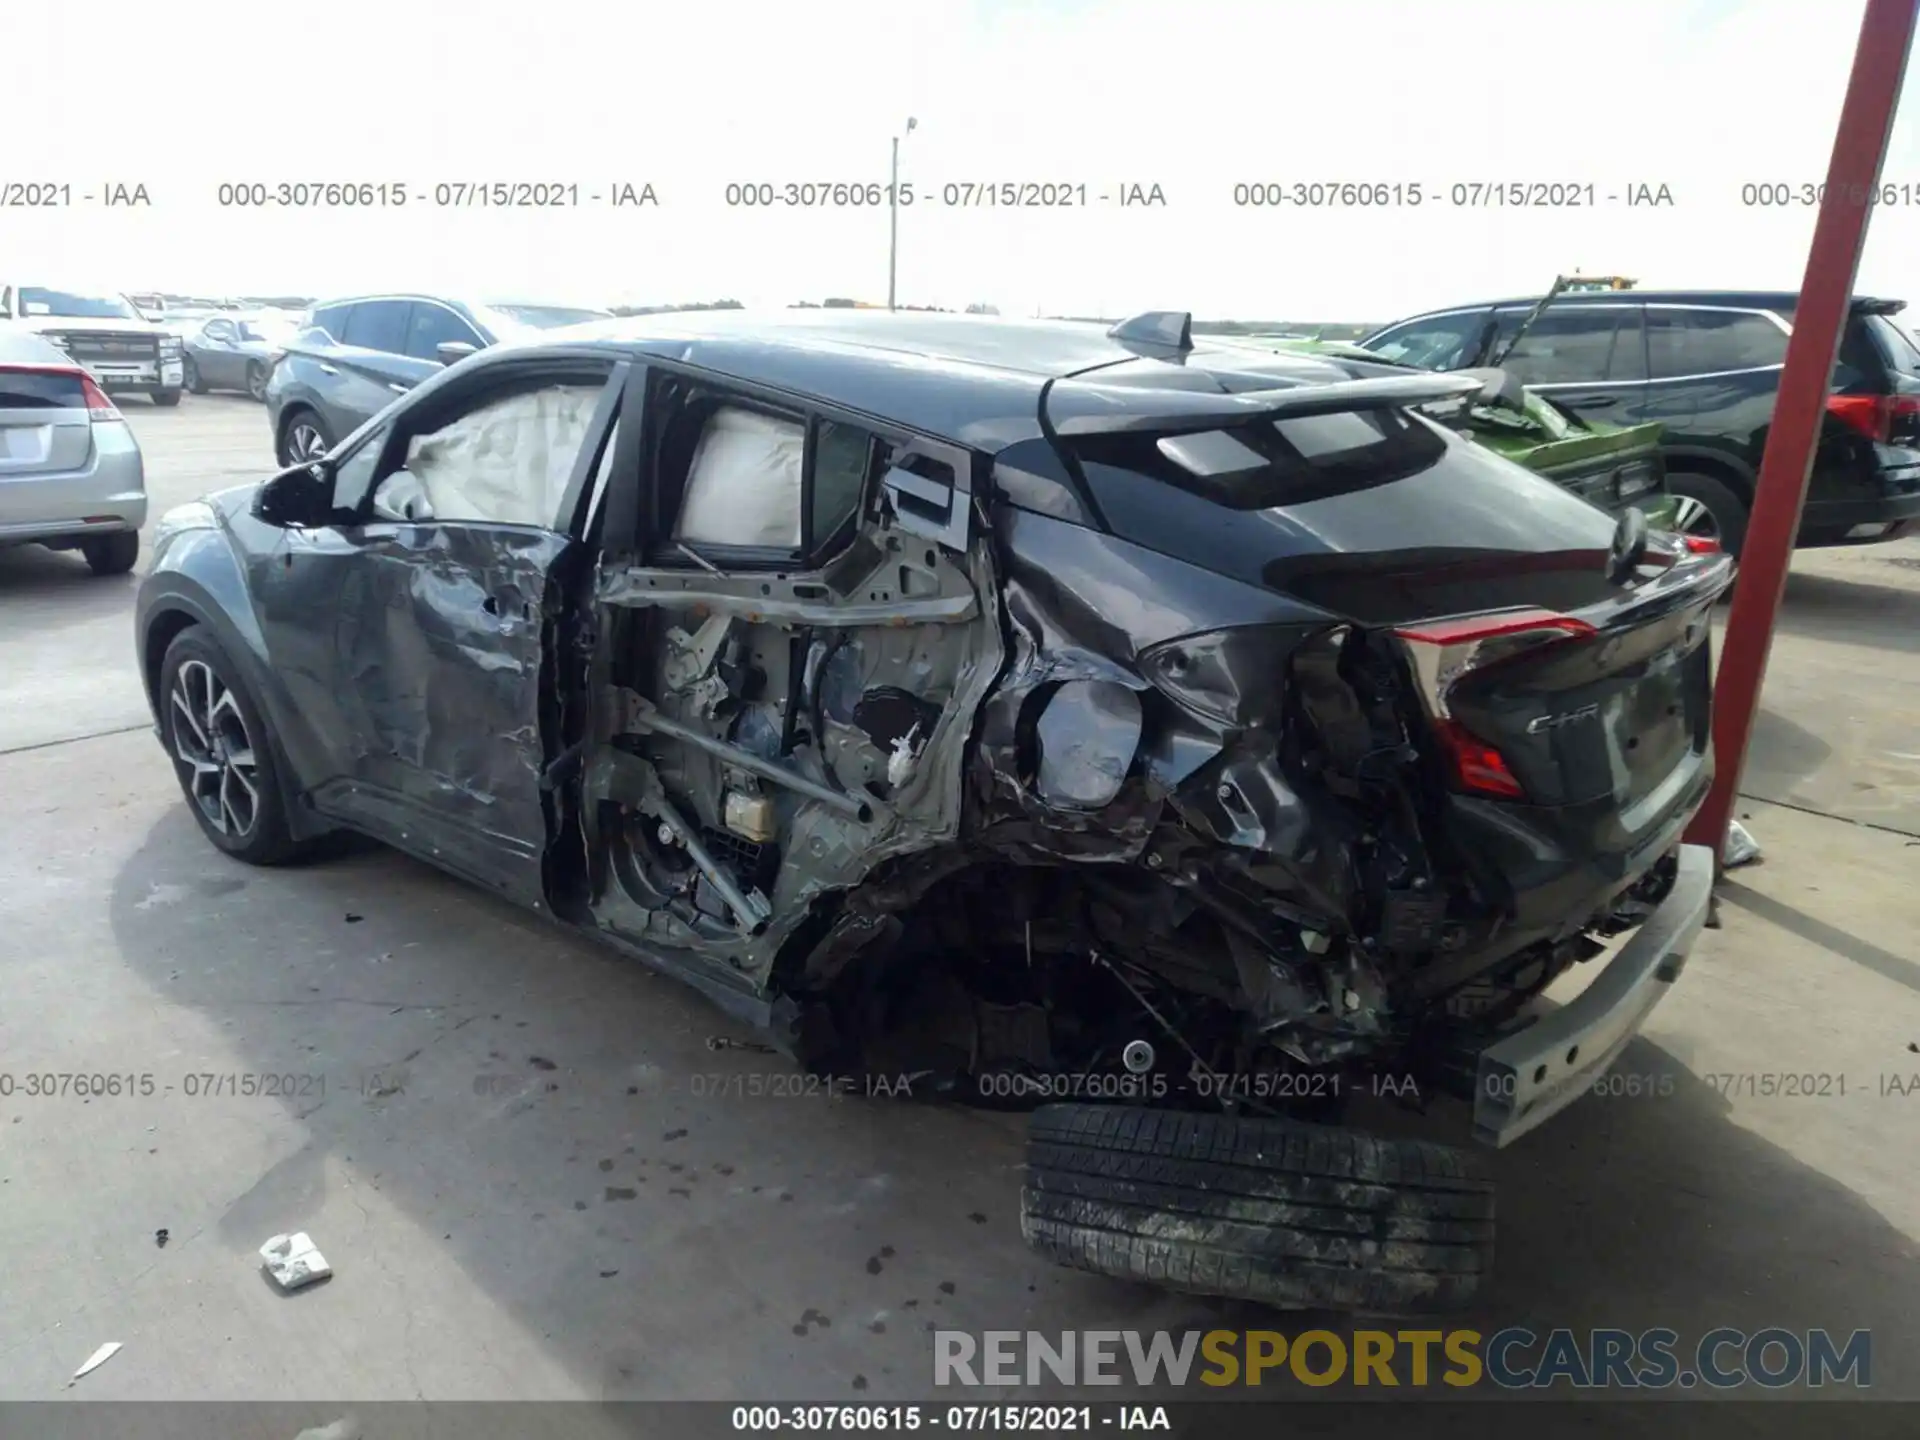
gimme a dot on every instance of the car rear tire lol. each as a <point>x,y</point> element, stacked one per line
<point>1708,507</point>
<point>166,399</point>
<point>300,424</point>
<point>257,382</point>
<point>111,554</point>
<point>223,752</point>
<point>1283,1213</point>
<point>190,377</point>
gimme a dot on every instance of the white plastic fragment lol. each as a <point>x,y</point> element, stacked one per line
<point>1742,848</point>
<point>293,1261</point>
<point>900,763</point>
<point>97,1359</point>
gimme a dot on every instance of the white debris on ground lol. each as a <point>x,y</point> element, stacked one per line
<point>293,1260</point>
<point>99,1357</point>
<point>1741,847</point>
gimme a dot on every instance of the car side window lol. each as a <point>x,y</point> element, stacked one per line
<point>432,326</point>
<point>220,330</point>
<point>1571,346</point>
<point>378,325</point>
<point>1442,342</point>
<point>353,474</point>
<point>744,485</point>
<point>744,482</point>
<point>1709,342</point>
<point>843,462</point>
<point>332,319</point>
<point>504,461</point>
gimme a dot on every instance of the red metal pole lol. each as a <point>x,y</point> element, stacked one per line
<point>1826,292</point>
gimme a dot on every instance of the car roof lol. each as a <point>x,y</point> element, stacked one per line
<point>1726,299</point>
<point>20,345</point>
<point>973,379</point>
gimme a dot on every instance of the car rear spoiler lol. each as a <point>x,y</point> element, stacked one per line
<point>1867,305</point>
<point>1071,408</point>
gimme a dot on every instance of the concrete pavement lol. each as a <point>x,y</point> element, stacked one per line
<point>534,1180</point>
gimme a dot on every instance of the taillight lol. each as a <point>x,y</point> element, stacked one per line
<point>1500,624</point>
<point>1476,766</point>
<point>1873,415</point>
<point>1442,651</point>
<point>99,407</point>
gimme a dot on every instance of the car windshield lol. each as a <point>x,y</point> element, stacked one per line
<point>76,304</point>
<point>546,317</point>
<point>258,329</point>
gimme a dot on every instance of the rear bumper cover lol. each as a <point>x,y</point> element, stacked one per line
<point>1529,1077</point>
<point>1838,516</point>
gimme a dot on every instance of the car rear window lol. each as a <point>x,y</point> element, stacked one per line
<point>1354,516</point>
<point>1284,462</point>
<point>41,390</point>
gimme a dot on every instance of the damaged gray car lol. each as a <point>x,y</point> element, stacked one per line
<point>1179,741</point>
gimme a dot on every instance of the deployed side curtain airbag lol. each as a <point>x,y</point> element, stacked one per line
<point>744,485</point>
<point>509,462</point>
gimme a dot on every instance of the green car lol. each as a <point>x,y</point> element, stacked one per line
<point>1612,466</point>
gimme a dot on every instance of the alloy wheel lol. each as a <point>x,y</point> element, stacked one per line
<point>1691,517</point>
<point>210,738</point>
<point>304,443</point>
<point>256,382</point>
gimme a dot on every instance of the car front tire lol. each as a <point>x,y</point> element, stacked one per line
<point>1709,509</point>
<point>111,554</point>
<point>257,382</point>
<point>190,377</point>
<point>166,399</point>
<point>302,431</point>
<point>223,752</point>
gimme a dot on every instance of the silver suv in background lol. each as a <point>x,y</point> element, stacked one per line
<point>71,476</point>
<point>103,332</point>
<point>353,358</point>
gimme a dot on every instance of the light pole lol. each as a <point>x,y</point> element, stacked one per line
<point>893,214</point>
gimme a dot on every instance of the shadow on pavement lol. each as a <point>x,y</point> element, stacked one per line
<point>550,1115</point>
<point>1856,612</point>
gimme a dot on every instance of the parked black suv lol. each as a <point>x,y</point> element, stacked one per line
<point>1706,365</point>
<point>352,357</point>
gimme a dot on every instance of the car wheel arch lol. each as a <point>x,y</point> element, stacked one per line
<point>1735,476</point>
<point>173,617</point>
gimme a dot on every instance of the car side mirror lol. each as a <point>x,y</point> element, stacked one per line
<point>297,498</point>
<point>452,352</point>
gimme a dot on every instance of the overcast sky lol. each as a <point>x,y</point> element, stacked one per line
<point>1194,96</point>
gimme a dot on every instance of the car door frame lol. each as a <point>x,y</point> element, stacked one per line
<point>454,836</point>
<point>392,373</point>
<point>812,590</point>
